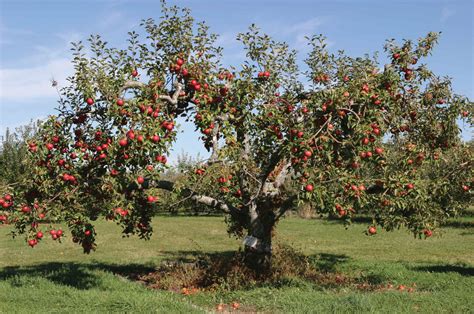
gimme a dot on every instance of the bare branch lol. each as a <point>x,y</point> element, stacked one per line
<point>215,143</point>
<point>203,199</point>
<point>173,100</point>
<point>215,139</point>
<point>355,114</point>
<point>320,129</point>
<point>131,85</point>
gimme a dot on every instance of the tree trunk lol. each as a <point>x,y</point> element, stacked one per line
<point>258,242</point>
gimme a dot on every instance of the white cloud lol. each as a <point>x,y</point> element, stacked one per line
<point>304,29</point>
<point>111,19</point>
<point>4,30</point>
<point>33,82</point>
<point>8,34</point>
<point>306,26</point>
<point>227,40</point>
<point>446,13</point>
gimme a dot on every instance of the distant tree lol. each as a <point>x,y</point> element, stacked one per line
<point>175,203</point>
<point>13,152</point>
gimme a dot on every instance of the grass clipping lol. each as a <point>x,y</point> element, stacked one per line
<point>227,271</point>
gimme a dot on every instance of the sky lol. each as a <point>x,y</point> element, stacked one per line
<point>35,38</point>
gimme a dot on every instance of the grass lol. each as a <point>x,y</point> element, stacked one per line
<point>58,278</point>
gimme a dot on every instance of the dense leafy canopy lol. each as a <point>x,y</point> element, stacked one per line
<point>346,134</point>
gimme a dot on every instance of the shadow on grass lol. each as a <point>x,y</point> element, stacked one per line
<point>83,276</point>
<point>328,262</point>
<point>76,275</point>
<point>460,269</point>
<point>368,220</point>
<point>190,256</point>
<point>459,224</point>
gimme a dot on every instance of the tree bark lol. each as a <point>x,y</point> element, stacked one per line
<point>258,242</point>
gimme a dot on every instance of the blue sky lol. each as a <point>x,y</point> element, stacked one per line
<point>35,37</point>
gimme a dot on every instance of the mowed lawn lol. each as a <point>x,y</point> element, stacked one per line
<point>59,278</point>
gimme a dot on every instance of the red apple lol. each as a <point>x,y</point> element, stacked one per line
<point>379,150</point>
<point>32,242</point>
<point>123,142</point>
<point>235,305</point>
<point>131,134</point>
<point>155,138</point>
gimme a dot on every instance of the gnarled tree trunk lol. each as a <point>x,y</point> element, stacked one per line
<point>258,242</point>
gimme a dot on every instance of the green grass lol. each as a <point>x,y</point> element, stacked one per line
<point>59,278</point>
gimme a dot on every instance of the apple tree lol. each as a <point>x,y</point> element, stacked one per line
<point>277,133</point>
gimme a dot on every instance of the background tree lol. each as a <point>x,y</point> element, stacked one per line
<point>13,151</point>
<point>105,152</point>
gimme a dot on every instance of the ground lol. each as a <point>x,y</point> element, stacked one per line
<point>55,277</point>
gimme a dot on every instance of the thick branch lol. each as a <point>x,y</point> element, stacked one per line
<point>215,137</point>
<point>203,199</point>
<point>242,137</point>
<point>273,188</point>
<point>130,85</point>
<point>173,100</point>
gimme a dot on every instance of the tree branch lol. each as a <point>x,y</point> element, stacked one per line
<point>272,188</point>
<point>215,140</point>
<point>130,85</point>
<point>203,199</point>
<point>173,100</point>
